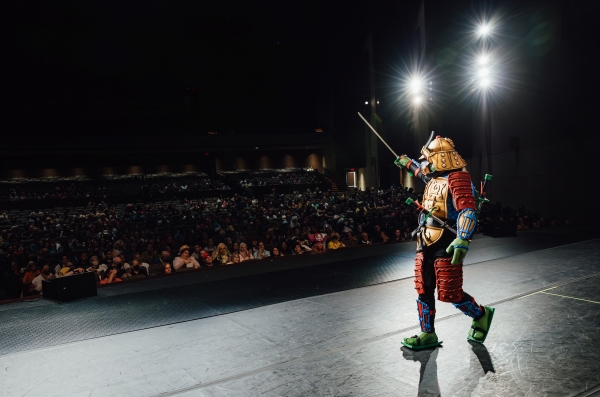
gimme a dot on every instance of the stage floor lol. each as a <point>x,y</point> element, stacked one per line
<point>330,329</point>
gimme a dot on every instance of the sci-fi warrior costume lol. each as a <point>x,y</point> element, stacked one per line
<point>449,197</point>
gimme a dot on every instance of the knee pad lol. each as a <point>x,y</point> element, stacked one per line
<point>449,280</point>
<point>419,283</point>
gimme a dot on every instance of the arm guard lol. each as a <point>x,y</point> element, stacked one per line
<point>465,225</point>
<point>462,197</point>
<point>415,168</point>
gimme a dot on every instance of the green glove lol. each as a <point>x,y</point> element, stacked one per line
<point>460,248</point>
<point>402,161</point>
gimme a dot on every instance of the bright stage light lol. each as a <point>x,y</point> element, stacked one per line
<point>483,29</point>
<point>485,83</point>
<point>416,85</point>
<point>417,100</point>
<point>483,72</point>
<point>483,60</point>
<point>366,102</point>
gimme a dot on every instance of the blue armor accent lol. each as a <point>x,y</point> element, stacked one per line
<point>452,212</point>
<point>469,308</point>
<point>467,219</point>
<point>425,316</point>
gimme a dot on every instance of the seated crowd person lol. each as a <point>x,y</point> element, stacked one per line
<point>137,270</point>
<point>245,254</point>
<point>364,239</point>
<point>397,235</point>
<point>349,239</point>
<point>45,274</point>
<point>221,256</point>
<point>184,261</point>
<point>284,248</point>
<point>70,270</point>
<point>30,275</point>
<point>261,252</point>
<point>149,256</point>
<point>335,242</point>
<point>207,260</point>
<point>210,247</point>
<point>297,250</point>
<point>276,253</point>
<point>197,254</point>
<point>318,248</point>
<point>158,265</point>
<point>98,269</point>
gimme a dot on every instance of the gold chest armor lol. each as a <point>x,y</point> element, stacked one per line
<point>434,197</point>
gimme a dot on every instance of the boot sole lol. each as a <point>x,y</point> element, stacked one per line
<point>421,347</point>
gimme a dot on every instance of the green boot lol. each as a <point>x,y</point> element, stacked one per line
<point>480,328</point>
<point>423,341</point>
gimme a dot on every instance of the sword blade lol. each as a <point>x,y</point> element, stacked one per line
<point>378,136</point>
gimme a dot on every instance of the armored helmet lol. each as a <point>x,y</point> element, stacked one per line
<point>440,152</point>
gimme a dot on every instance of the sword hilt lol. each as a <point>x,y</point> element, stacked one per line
<point>486,179</point>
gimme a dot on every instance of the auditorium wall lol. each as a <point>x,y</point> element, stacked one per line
<point>186,162</point>
<point>95,171</point>
<point>230,161</point>
<point>540,179</point>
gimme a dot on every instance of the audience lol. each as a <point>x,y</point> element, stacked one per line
<point>123,241</point>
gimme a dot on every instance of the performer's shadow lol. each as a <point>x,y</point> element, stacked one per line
<point>483,356</point>
<point>479,365</point>
<point>428,378</point>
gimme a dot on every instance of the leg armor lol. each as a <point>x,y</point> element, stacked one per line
<point>470,308</point>
<point>419,282</point>
<point>426,316</point>
<point>449,280</point>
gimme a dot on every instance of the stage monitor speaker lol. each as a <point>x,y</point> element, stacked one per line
<point>70,288</point>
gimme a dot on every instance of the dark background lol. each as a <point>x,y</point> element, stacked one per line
<point>109,69</point>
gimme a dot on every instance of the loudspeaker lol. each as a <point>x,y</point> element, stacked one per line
<point>70,288</point>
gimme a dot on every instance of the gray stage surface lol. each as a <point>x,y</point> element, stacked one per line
<point>335,334</point>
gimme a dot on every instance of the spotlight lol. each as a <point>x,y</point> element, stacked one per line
<point>366,102</point>
<point>484,83</point>
<point>483,60</point>
<point>483,30</point>
<point>483,72</point>
<point>417,100</point>
<point>416,85</point>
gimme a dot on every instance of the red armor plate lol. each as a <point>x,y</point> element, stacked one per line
<point>419,284</point>
<point>449,280</point>
<point>460,187</point>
